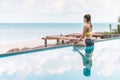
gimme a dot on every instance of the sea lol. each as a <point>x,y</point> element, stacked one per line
<point>15,32</point>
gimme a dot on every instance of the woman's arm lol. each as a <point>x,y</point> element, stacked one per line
<point>83,33</point>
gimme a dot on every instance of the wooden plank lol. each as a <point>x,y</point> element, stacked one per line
<point>77,35</point>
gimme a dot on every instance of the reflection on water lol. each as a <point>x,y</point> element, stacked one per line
<point>87,58</point>
<point>65,64</point>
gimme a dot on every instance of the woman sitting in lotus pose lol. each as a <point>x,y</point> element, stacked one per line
<point>86,37</point>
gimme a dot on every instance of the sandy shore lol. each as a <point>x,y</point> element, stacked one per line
<point>22,44</point>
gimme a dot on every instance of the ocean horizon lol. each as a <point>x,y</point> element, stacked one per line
<point>14,32</point>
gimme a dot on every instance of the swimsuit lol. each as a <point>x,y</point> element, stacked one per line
<point>88,33</point>
<point>89,42</point>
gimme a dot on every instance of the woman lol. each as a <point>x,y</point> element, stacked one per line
<point>88,42</point>
<point>87,32</point>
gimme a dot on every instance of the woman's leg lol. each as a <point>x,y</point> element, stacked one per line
<point>81,43</point>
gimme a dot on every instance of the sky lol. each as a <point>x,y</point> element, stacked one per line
<point>40,11</point>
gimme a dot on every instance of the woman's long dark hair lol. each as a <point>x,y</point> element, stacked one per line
<point>88,18</point>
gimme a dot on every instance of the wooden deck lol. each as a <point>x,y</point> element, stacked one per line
<point>70,38</point>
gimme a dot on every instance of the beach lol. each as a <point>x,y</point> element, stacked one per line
<point>24,44</point>
<point>29,35</point>
<point>59,40</point>
<point>21,44</point>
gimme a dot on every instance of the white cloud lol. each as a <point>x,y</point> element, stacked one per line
<point>52,62</point>
<point>106,62</point>
<point>59,61</point>
<point>58,10</point>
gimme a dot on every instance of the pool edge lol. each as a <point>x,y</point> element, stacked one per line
<point>47,48</point>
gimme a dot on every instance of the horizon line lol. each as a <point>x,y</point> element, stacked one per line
<point>49,22</point>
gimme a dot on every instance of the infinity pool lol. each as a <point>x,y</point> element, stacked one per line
<point>64,64</point>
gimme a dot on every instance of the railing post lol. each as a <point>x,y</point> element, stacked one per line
<point>45,41</point>
<point>58,41</point>
<point>63,41</point>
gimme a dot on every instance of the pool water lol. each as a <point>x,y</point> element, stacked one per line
<point>64,64</point>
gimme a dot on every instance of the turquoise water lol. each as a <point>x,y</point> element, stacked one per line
<point>64,64</point>
<point>18,32</point>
